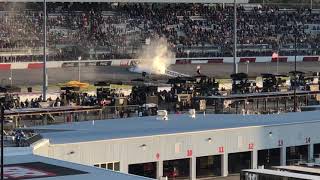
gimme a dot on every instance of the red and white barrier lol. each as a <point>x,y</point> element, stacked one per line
<point>246,59</point>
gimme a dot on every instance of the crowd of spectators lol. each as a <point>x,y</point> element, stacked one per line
<point>119,30</point>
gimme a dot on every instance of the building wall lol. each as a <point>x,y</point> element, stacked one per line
<point>184,145</point>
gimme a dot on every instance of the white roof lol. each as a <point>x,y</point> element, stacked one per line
<point>283,174</point>
<point>92,173</point>
<point>314,170</point>
<point>150,126</point>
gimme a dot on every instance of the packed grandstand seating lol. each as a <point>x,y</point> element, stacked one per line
<point>108,31</point>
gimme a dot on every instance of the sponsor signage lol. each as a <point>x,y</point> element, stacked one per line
<point>124,63</point>
<point>36,170</point>
<point>104,63</point>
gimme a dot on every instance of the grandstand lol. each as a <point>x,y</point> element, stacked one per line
<point>120,30</point>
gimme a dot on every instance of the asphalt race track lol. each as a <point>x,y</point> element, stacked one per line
<point>30,77</point>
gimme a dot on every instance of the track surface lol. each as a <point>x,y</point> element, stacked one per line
<point>32,77</point>
<point>255,69</point>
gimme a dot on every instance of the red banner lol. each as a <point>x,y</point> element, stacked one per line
<point>35,65</point>
<point>310,59</point>
<point>5,66</point>
<point>280,59</point>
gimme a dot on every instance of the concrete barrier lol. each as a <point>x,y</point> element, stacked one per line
<point>128,62</point>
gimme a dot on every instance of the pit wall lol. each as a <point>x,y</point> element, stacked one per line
<point>128,62</point>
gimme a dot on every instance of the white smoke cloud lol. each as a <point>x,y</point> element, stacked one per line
<point>155,58</point>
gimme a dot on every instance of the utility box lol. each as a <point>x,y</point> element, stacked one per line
<point>152,99</point>
<point>121,101</point>
<point>314,87</point>
<point>202,105</point>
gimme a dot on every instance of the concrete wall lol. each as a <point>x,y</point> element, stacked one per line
<point>40,147</point>
<point>164,147</point>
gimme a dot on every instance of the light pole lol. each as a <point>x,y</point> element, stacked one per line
<point>45,75</point>
<point>247,63</point>
<point>79,69</point>
<point>278,63</point>
<point>295,73</point>
<point>2,141</point>
<point>235,68</point>
<point>278,57</point>
<point>10,78</point>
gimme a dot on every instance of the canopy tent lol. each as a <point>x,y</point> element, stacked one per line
<point>76,84</point>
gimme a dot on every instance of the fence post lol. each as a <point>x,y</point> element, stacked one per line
<point>100,114</point>
<point>85,115</point>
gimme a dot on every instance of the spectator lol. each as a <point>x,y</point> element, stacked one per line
<point>192,30</point>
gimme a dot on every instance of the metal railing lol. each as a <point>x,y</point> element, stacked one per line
<point>103,113</point>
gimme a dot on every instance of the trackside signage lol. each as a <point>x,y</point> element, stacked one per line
<point>19,172</point>
<point>36,170</point>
